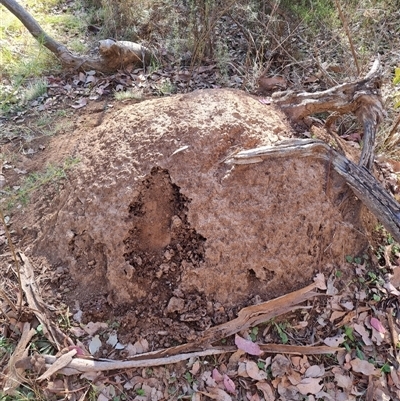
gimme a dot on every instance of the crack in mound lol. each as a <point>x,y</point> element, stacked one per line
<point>160,244</point>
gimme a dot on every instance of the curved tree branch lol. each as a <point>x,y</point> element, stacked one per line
<point>362,98</point>
<point>113,54</point>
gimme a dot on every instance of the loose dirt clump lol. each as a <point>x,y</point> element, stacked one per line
<point>155,231</point>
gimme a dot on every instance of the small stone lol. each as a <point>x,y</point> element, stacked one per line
<point>138,260</point>
<point>60,270</point>
<point>175,304</point>
<point>70,235</point>
<point>176,222</point>
<point>168,254</point>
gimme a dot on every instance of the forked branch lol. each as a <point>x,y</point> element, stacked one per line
<point>362,98</point>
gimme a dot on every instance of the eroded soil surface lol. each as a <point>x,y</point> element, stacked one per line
<point>154,231</point>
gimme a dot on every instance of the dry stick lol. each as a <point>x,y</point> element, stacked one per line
<point>247,317</point>
<point>79,365</point>
<point>392,139</point>
<point>346,28</point>
<point>393,333</point>
<point>15,376</point>
<point>36,303</point>
<point>67,58</point>
<point>359,179</point>
<point>14,255</point>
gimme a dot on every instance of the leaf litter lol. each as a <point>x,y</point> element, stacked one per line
<point>244,370</point>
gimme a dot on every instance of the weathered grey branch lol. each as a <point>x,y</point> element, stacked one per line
<point>359,179</point>
<point>363,98</point>
<point>247,317</point>
<point>113,54</point>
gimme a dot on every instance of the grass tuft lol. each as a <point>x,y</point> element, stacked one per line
<point>20,195</point>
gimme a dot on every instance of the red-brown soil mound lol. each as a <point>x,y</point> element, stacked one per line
<point>170,242</point>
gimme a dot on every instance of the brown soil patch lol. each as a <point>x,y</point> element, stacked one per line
<point>169,243</point>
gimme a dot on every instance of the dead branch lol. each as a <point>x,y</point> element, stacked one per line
<point>15,375</point>
<point>253,315</point>
<point>362,98</point>
<point>113,54</point>
<point>393,138</point>
<point>359,179</point>
<point>247,317</point>
<point>35,302</point>
<point>79,365</point>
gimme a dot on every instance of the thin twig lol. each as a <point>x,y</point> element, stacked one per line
<point>392,139</point>
<point>347,30</point>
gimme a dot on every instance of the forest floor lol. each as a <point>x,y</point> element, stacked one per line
<point>72,215</point>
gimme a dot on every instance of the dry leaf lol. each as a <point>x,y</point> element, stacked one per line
<point>391,289</point>
<point>247,346</point>
<point>315,371</point>
<point>77,331</point>
<point>196,397</point>
<point>79,350</point>
<point>254,371</point>
<point>331,289</point>
<point>294,377</point>
<point>266,390</point>
<point>94,344</point>
<point>377,336</point>
<point>141,346</point>
<point>253,397</point>
<point>336,315</point>
<point>348,305</point>
<point>280,365</point>
<point>395,377</point>
<point>320,282</point>
<point>102,397</point>
<point>309,385</point>
<point>60,363</point>
<point>206,377</point>
<point>335,341</point>
<point>377,325</point>
<point>242,369</point>
<point>195,368</point>
<point>363,333</point>
<point>363,367</point>
<point>229,384</point>
<point>216,375</point>
<point>112,340</point>
<point>91,376</point>
<point>218,394</point>
<point>91,328</point>
<point>343,381</point>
